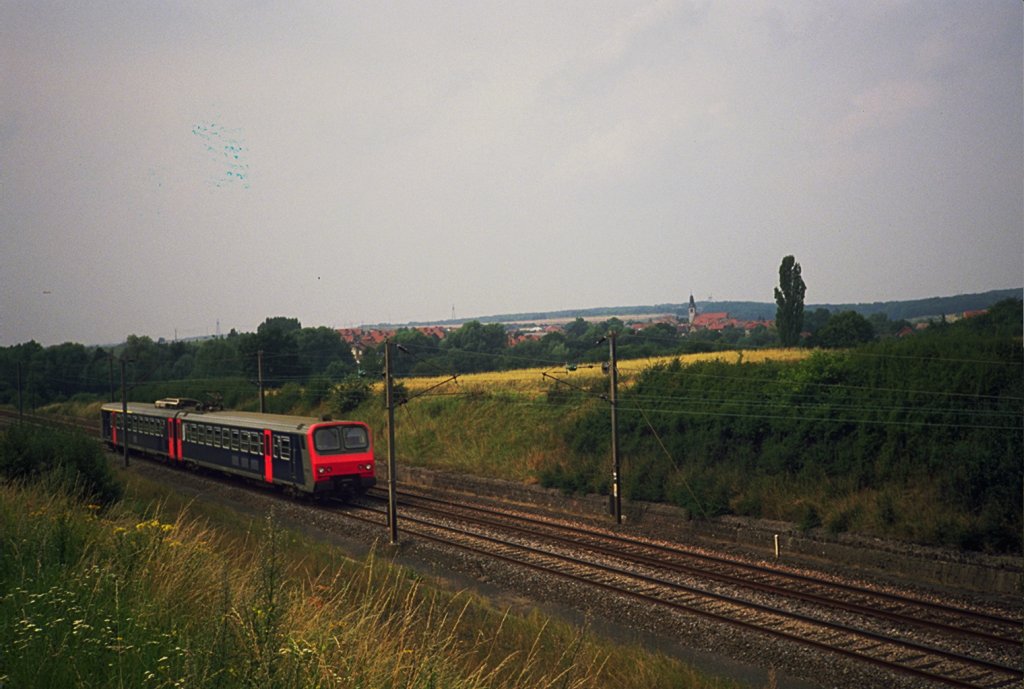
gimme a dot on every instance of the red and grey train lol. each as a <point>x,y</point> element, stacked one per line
<point>302,454</point>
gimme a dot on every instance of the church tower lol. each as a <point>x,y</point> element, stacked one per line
<point>692,311</point>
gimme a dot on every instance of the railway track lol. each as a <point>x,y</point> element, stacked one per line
<point>10,418</point>
<point>937,643</point>
<point>934,643</point>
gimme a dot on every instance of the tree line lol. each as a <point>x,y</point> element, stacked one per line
<point>306,365</point>
<point>224,367</point>
<point>306,362</point>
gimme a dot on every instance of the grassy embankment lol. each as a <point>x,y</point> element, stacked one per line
<point>515,424</point>
<point>148,592</point>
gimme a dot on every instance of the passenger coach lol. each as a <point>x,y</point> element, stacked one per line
<point>302,454</point>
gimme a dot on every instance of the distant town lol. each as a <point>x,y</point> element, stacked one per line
<point>520,329</point>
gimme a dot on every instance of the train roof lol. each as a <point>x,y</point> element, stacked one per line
<point>280,422</point>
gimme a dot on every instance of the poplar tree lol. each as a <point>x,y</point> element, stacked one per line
<point>789,296</point>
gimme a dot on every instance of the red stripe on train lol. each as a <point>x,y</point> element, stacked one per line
<point>170,438</point>
<point>268,458</point>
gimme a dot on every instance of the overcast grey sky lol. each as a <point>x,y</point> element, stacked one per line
<point>168,165</point>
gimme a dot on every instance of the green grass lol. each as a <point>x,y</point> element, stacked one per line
<point>505,435</point>
<point>150,592</point>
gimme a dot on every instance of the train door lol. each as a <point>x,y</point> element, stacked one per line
<point>268,457</point>
<point>174,439</point>
<point>170,439</point>
<point>277,453</point>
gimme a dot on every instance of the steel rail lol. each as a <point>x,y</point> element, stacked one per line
<point>921,649</point>
<point>892,616</point>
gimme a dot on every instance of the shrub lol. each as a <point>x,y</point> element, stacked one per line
<point>285,400</point>
<point>348,394</point>
<point>841,521</point>
<point>809,518</point>
<point>703,495</point>
<point>30,453</point>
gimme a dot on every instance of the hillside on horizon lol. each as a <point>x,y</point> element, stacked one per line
<point>931,307</point>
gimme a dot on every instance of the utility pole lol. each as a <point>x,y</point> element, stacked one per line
<point>110,362</point>
<point>259,377</point>
<point>21,407</point>
<point>616,497</point>
<point>392,484</point>
<point>124,411</point>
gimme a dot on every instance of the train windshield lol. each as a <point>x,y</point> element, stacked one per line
<point>330,439</point>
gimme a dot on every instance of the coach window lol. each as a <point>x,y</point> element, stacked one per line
<point>277,447</point>
<point>234,438</point>
<point>286,448</point>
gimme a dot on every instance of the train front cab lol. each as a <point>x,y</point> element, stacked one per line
<point>341,458</point>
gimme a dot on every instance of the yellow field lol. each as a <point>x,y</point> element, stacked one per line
<point>534,379</point>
